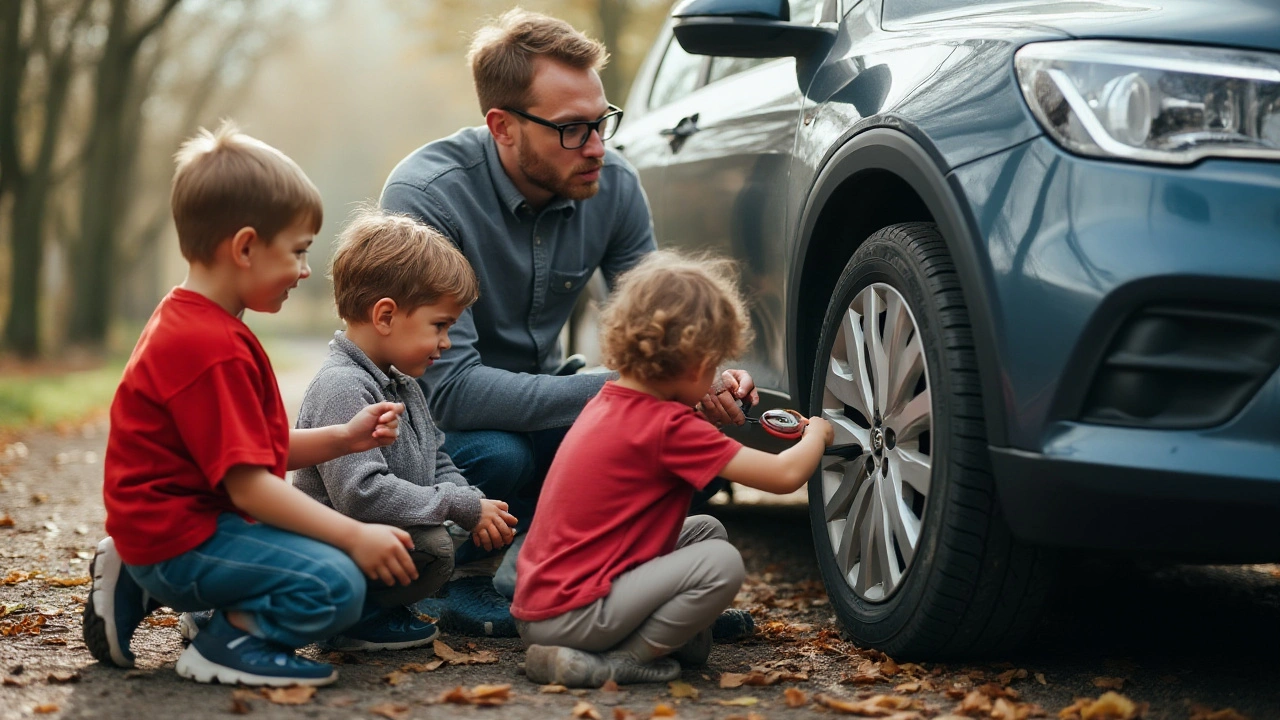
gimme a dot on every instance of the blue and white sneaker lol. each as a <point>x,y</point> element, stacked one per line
<point>223,653</point>
<point>471,606</point>
<point>115,608</point>
<point>191,623</point>
<point>390,629</point>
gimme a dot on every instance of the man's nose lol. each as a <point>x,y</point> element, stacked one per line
<point>594,147</point>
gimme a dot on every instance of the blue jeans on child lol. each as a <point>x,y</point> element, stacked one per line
<point>297,590</point>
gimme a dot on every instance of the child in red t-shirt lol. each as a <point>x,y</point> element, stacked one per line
<point>200,443</point>
<point>614,581</point>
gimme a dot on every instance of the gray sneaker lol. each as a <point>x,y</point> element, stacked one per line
<point>546,664</point>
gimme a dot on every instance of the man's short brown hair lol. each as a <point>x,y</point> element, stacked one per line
<point>226,180</point>
<point>671,313</point>
<point>502,55</point>
<point>385,255</point>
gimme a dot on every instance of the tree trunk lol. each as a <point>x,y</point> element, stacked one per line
<point>613,15</point>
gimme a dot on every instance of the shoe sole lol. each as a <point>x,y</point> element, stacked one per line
<point>187,627</point>
<point>354,645</point>
<point>99,611</point>
<point>549,664</point>
<point>193,666</point>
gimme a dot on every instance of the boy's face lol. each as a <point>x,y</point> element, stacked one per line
<point>277,265</point>
<point>418,336</point>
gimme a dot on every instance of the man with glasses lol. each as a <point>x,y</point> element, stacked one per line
<point>536,203</point>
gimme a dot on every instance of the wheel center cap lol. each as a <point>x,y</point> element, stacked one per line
<point>877,439</point>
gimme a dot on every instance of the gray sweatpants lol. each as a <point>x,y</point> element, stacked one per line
<point>433,555</point>
<point>662,603</point>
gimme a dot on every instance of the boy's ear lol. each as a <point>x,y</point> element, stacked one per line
<point>382,314</point>
<point>242,245</point>
<point>500,122</point>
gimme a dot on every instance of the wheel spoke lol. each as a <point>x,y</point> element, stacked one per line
<point>847,432</point>
<point>847,377</point>
<point>908,364</point>
<point>849,546</point>
<point>915,469</point>
<point>872,307</point>
<point>847,480</point>
<point>914,418</point>
<point>904,523</point>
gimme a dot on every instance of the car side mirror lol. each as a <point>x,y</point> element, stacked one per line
<point>746,29</point>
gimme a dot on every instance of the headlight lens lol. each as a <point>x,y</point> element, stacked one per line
<point>1157,103</point>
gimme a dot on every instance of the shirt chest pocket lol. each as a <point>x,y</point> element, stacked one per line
<point>564,283</point>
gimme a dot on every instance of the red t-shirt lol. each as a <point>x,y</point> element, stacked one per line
<point>197,397</point>
<point>615,497</point>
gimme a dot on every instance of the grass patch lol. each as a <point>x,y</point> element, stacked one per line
<point>30,401</point>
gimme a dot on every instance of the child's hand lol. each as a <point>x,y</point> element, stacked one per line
<point>819,425</point>
<point>377,425</point>
<point>382,553</point>
<point>494,529</point>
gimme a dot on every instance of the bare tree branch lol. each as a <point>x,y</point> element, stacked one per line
<point>150,26</point>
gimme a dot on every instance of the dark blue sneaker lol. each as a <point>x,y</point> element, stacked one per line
<point>115,608</point>
<point>223,653</point>
<point>191,623</point>
<point>389,629</point>
<point>471,606</point>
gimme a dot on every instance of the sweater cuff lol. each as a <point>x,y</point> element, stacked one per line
<point>466,509</point>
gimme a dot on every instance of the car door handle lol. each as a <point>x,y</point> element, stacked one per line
<point>683,129</point>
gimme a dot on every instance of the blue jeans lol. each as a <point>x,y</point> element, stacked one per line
<point>296,590</point>
<point>506,466</point>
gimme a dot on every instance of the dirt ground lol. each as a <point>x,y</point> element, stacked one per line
<point>1184,641</point>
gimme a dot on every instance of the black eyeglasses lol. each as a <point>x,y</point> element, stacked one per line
<point>574,135</point>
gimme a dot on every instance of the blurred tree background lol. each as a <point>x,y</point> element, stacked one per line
<point>96,95</point>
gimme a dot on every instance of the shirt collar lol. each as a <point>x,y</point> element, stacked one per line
<point>343,344</point>
<point>510,196</point>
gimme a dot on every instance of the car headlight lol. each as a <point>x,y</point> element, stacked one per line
<point>1156,103</point>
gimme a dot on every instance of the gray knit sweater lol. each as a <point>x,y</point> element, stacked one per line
<point>409,482</point>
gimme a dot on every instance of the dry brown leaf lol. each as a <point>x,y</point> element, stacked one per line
<point>610,686</point>
<point>18,576</point>
<point>1009,676</point>
<point>620,713</point>
<point>390,710</point>
<point>795,698</point>
<point>453,657</point>
<point>881,706</point>
<point>13,682</point>
<point>162,621</point>
<point>395,677</point>
<point>1041,679</point>
<point>54,641</point>
<point>64,676</point>
<point>663,710</point>
<point>483,695</point>
<point>744,701</point>
<point>1005,710</point>
<point>65,582</point>
<point>428,666</point>
<point>748,716</point>
<point>1109,683</point>
<point>585,709</point>
<point>889,667</point>
<point>1109,706</point>
<point>45,708</point>
<point>6,521</point>
<point>974,702</point>
<point>500,692</point>
<point>551,689</point>
<point>1202,712</point>
<point>907,687</point>
<point>294,695</point>
<point>240,701</point>
<point>681,689</point>
<point>341,702</point>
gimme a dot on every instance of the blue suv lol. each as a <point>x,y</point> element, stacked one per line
<point>1025,256</point>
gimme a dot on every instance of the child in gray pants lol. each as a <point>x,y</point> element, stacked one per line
<point>614,581</point>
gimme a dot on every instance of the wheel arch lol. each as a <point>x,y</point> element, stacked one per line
<point>879,177</point>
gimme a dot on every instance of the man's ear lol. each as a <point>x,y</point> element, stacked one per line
<point>502,126</point>
<point>382,315</point>
<point>242,245</point>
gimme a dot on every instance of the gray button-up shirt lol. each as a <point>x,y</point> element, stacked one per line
<point>531,265</point>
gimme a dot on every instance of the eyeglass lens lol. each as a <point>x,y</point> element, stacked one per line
<point>575,135</point>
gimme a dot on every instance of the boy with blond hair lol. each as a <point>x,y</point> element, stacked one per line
<point>199,516</point>
<point>615,582</point>
<point>399,286</point>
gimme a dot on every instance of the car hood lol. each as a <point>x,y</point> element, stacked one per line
<point>1232,23</point>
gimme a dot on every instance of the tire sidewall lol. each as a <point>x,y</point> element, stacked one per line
<point>885,259</point>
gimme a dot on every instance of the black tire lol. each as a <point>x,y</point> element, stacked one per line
<point>970,588</point>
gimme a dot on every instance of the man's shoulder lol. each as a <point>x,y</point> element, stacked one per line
<point>449,159</point>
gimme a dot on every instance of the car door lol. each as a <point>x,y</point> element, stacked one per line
<point>725,184</point>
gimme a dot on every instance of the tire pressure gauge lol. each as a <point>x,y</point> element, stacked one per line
<point>785,424</point>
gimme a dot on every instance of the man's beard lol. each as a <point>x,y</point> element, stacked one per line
<point>541,173</point>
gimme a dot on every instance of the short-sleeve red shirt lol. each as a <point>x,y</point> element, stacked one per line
<point>615,497</point>
<point>197,397</point>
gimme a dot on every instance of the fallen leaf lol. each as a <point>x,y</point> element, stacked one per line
<point>453,657</point>
<point>162,621</point>
<point>17,576</point>
<point>610,686</point>
<point>240,701</point>
<point>54,641</point>
<point>1109,683</point>
<point>6,521</point>
<point>974,702</point>
<point>882,706</point>
<point>38,498</point>
<point>748,716</point>
<point>745,701</point>
<point>1109,706</point>
<point>795,698</point>
<point>45,708</point>
<point>681,689</point>
<point>65,582</point>
<point>623,714</point>
<point>428,666</point>
<point>585,709</point>
<point>1202,712</point>
<point>1041,679</point>
<point>395,677</point>
<point>341,702</point>
<point>1009,676</point>
<point>483,695</point>
<point>13,682</point>
<point>552,689</point>
<point>889,667</point>
<point>393,711</point>
<point>64,676</point>
<point>907,687</point>
<point>663,710</point>
<point>294,695</point>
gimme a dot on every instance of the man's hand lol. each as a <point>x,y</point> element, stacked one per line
<point>382,553</point>
<point>494,529</point>
<point>377,425</point>
<point>720,406</point>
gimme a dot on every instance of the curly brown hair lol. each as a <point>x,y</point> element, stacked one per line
<point>671,313</point>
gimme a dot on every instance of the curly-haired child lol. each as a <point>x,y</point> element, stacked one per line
<point>614,581</point>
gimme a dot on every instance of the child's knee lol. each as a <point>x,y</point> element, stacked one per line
<point>726,561</point>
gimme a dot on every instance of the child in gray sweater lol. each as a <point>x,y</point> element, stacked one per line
<point>399,286</point>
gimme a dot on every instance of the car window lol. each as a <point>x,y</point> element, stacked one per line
<point>677,76</point>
